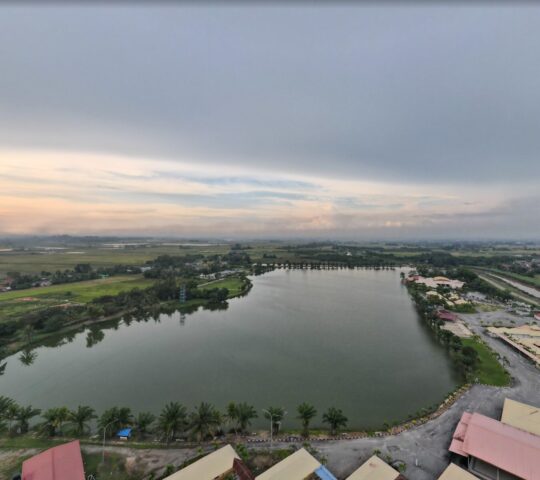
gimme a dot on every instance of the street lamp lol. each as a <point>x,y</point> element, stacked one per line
<point>272,424</point>
<point>104,432</point>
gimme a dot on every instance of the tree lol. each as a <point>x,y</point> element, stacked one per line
<point>79,419</point>
<point>115,419</point>
<point>276,414</point>
<point>6,404</point>
<point>54,419</point>
<point>335,418</point>
<point>232,415</point>
<point>172,420</point>
<point>143,423</point>
<point>24,415</point>
<point>204,421</point>
<point>306,413</point>
<point>245,413</point>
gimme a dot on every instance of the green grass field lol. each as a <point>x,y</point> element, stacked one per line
<point>233,284</point>
<point>20,302</point>
<point>490,371</point>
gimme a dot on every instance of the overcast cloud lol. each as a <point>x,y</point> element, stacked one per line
<point>270,108</point>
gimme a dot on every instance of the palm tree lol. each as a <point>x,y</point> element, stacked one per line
<point>306,413</point>
<point>335,418</point>
<point>11,415</point>
<point>115,419</point>
<point>245,413</point>
<point>24,414</point>
<point>143,423</point>
<point>79,419</point>
<point>54,418</point>
<point>204,421</point>
<point>232,415</point>
<point>6,404</point>
<point>172,420</point>
<point>276,414</point>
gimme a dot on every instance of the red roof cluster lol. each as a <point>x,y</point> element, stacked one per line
<point>447,316</point>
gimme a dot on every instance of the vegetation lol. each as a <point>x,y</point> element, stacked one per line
<point>306,413</point>
<point>490,371</point>
<point>335,418</point>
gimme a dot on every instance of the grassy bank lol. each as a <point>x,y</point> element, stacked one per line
<point>489,371</point>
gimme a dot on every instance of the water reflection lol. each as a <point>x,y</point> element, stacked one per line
<point>28,357</point>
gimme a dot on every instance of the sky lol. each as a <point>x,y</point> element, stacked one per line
<point>397,121</point>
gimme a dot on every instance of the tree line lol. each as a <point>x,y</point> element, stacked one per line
<point>204,422</point>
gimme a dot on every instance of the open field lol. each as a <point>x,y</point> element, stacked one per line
<point>23,301</point>
<point>235,285</point>
<point>490,371</point>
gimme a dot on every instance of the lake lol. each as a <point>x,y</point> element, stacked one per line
<point>344,338</point>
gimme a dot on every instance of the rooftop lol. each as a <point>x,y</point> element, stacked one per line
<point>453,472</point>
<point>209,467</point>
<point>522,416</point>
<point>507,448</point>
<point>297,466</point>
<point>63,462</point>
<point>374,469</point>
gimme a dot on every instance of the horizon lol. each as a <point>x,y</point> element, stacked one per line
<point>399,123</point>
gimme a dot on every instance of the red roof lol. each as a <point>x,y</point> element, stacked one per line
<point>63,462</point>
<point>508,448</point>
<point>446,315</point>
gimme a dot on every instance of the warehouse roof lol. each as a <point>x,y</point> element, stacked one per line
<point>522,416</point>
<point>297,466</point>
<point>374,469</point>
<point>209,467</point>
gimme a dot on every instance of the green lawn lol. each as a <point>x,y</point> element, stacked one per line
<point>490,371</point>
<point>20,302</point>
<point>233,284</point>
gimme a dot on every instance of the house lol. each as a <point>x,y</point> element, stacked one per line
<point>124,434</point>
<point>522,416</point>
<point>453,472</point>
<point>214,466</point>
<point>63,462</point>
<point>495,450</point>
<point>298,466</point>
<point>447,316</point>
<point>375,469</point>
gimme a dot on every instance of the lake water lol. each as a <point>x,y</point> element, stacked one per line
<point>344,338</point>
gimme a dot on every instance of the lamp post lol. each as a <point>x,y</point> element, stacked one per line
<point>104,432</point>
<point>272,424</point>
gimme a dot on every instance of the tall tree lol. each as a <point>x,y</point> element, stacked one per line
<point>335,418</point>
<point>143,423</point>
<point>172,420</point>
<point>115,419</point>
<point>204,421</point>
<point>245,413</point>
<point>275,414</point>
<point>24,415</point>
<point>306,413</point>
<point>6,404</point>
<point>80,418</point>
<point>54,419</point>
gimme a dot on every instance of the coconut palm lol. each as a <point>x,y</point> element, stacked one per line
<point>172,420</point>
<point>24,415</point>
<point>204,421</point>
<point>245,413</point>
<point>54,419</point>
<point>115,419</point>
<point>275,414</point>
<point>335,418</point>
<point>6,404</point>
<point>143,423</point>
<point>306,413</point>
<point>11,415</point>
<point>79,419</point>
<point>231,415</point>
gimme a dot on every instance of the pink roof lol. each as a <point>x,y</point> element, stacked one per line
<point>446,315</point>
<point>508,448</point>
<point>63,462</point>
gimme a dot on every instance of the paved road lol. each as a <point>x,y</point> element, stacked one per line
<point>428,443</point>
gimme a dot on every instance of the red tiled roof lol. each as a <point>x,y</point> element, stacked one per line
<point>508,448</point>
<point>446,315</point>
<point>63,462</point>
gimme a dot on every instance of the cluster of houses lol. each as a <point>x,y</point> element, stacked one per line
<point>481,448</point>
<point>434,282</point>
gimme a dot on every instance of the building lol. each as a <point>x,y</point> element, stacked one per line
<point>537,316</point>
<point>375,469</point>
<point>215,465</point>
<point>522,416</point>
<point>453,472</point>
<point>494,450</point>
<point>447,316</point>
<point>298,466</point>
<point>63,462</point>
<point>525,339</point>
<point>436,282</point>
